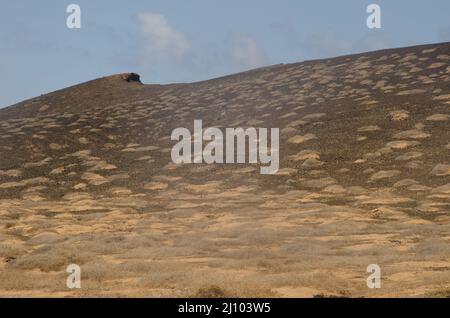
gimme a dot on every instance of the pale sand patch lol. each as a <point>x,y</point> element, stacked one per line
<point>272,204</point>
<point>132,145</point>
<point>414,164</point>
<point>427,51</point>
<point>46,238</point>
<point>384,174</point>
<point>129,150</point>
<point>382,197</point>
<point>314,116</point>
<point>441,170</point>
<point>165,178</point>
<point>412,134</point>
<point>297,123</point>
<point>244,170</point>
<point>86,205</point>
<point>77,196</point>
<point>405,183</point>
<point>430,207</point>
<point>416,69</point>
<point>442,189</point>
<point>438,117</point>
<point>181,204</point>
<point>57,171</point>
<point>234,193</point>
<point>102,165</point>
<point>171,166</point>
<point>93,178</point>
<point>297,292</point>
<point>372,155</point>
<point>207,187</point>
<point>319,183</point>
<point>143,158</point>
<point>305,154</point>
<point>287,115</point>
<point>44,108</point>
<point>24,183</point>
<point>120,191</point>
<point>254,122</point>
<point>436,65</point>
<point>401,144</point>
<point>241,189</point>
<point>312,163</point>
<point>409,155</point>
<point>119,176</point>
<point>35,197</point>
<point>289,130</point>
<point>388,212</point>
<point>146,148</point>
<point>442,97</point>
<point>54,146</point>
<point>419,126</point>
<point>368,128</point>
<point>80,186</point>
<point>109,145</point>
<point>84,154</point>
<point>155,186</point>
<point>411,92</point>
<point>418,188</point>
<point>336,189</point>
<point>83,140</point>
<point>11,173</point>
<point>286,171</point>
<point>300,139</point>
<point>399,115</point>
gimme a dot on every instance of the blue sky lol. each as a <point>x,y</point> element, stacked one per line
<point>190,40</point>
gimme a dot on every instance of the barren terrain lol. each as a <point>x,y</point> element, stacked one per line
<point>86,177</point>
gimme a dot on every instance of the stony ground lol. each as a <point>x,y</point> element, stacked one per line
<point>86,177</point>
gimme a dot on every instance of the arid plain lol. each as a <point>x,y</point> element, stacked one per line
<point>86,177</point>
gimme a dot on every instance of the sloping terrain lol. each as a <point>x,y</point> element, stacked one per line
<point>86,177</point>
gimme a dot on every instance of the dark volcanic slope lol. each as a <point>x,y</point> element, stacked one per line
<point>368,133</point>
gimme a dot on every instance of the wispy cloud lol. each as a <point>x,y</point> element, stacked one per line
<point>161,40</point>
<point>245,52</point>
<point>325,43</point>
<point>169,53</point>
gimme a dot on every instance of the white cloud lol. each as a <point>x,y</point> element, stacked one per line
<point>246,52</point>
<point>160,39</point>
<point>167,53</point>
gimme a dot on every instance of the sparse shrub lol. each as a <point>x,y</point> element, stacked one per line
<point>212,291</point>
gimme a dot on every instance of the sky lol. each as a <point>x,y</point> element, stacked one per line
<point>168,41</point>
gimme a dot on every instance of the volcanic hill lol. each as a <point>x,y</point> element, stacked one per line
<point>86,177</point>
